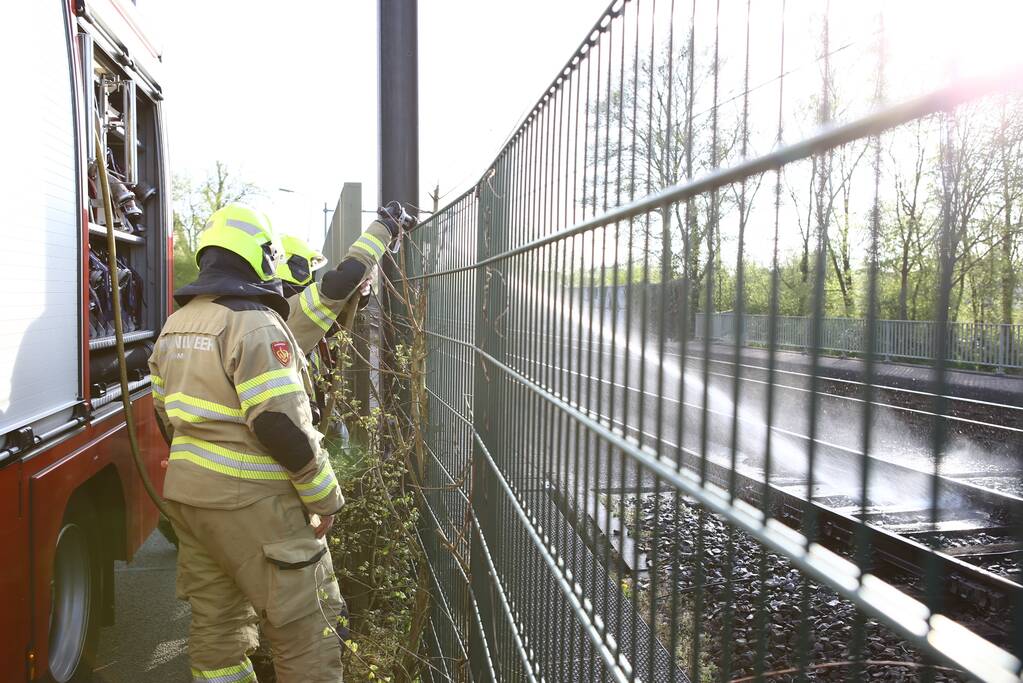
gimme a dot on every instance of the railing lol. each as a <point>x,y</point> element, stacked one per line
<point>600,505</point>
<point>971,344</point>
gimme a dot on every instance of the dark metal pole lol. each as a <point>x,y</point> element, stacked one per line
<point>399,150</point>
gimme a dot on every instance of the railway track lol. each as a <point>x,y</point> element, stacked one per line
<point>901,547</point>
<point>991,428</point>
<point>968,540</point>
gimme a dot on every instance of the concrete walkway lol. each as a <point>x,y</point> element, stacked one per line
<point>147,644</point>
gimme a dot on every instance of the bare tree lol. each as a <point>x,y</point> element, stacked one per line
<point>649,135</point>
<point>968,180</point>
<point>913,223</point>
<point>1010,176</point>
<point>194,203</point>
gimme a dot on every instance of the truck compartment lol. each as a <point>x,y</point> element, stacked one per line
<point>130,135</point>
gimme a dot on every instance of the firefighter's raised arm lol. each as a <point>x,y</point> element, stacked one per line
<point>315,308</point>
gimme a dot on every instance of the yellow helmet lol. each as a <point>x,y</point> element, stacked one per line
<point>300,260</point>
<point>246,232</point>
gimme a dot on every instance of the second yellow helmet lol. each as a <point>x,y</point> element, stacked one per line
<point>300,261</point>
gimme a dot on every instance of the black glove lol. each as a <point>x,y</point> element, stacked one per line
<point>394,216</point>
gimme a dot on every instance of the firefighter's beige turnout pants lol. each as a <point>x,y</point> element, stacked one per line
<point>258,564</point>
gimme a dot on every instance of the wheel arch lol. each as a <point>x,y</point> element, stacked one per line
<point>104,493</point>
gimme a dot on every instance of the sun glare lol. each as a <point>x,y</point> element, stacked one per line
<point>964,38</point>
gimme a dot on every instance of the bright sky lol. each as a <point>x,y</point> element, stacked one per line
<point>286,93</point>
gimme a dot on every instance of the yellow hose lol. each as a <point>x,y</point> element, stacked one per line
<point>129,416</point>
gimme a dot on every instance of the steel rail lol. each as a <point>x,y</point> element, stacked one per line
<point>985,501</point>
<point>843,380</point>
<point>843,397</point>
<point>896,550</point>
<point>990,501</point>
<point>970,583</point>
<point>994,502</point>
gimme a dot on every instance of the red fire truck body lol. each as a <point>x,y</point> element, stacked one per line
<point>71,501</point>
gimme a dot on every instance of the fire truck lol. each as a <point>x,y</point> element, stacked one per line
<point>71,498</point>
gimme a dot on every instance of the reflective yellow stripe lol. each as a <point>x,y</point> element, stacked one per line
<point>322,485</point>
<point>373,243</point>
<point>259,379</point>
<point>157,382</point>
<point>224,460</point>
<point>368,247</point>
<point>373,238</point>
<point>206,408</point>
<point>268,385</point>
<point>325,472</point>
<point>192,409</point>
<point>365,248</point>
<point>314,309</point>
<point>242,673</point>
<point>249,403</point>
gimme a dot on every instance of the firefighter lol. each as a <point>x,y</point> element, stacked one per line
<point>297,266</point>
<point>316,306</point>
<point>296,274</point>
<point>250,491</point>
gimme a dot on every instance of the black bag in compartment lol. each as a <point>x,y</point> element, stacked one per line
<point>103,363</point>
<point>132,295</point>
<point>101,307</point>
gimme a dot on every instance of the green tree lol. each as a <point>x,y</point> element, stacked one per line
<point>194,203</point>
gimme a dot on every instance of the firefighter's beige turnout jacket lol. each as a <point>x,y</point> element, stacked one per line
<point>214,370</point>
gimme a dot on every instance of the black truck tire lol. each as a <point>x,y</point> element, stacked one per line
<point>76,595</point>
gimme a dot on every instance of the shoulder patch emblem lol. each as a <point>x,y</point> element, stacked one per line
<point>282,352</point>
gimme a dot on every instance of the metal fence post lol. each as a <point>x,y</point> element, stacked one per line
<point>491,300</point>
<point>345,228</point>
<point>1004,332</point>
<point>399,161</point>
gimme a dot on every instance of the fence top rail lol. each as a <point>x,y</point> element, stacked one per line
<point>828,137</point>
<point>970,323</point>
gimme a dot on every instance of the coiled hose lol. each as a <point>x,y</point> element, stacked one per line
<point>129,416</point>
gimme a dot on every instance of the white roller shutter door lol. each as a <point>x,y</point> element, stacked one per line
<point>39,262</point>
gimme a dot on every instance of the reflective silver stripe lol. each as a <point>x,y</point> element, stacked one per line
<point>244,673</point>
<point>375,246</point>
<point>202,412</point>
<point>325,484</point>
<point>245,226</point>
<point>274,383</point>
<point>313,307</point>
<point>223,459</point>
